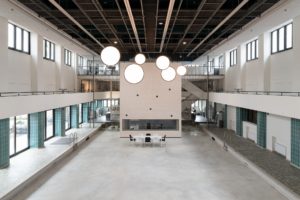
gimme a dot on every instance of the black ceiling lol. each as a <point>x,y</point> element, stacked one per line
<point>191,21</point>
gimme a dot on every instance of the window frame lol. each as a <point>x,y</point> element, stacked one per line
<point>45,43</point>
<point>285,48</point>
<point>15,137</point>
<point>80,110</point>
<point>53,125</point>
<point>70,118</point>
<point>68,57</point>
<point>253,46</point>
<point>22,39</point>
<point>233,58</point>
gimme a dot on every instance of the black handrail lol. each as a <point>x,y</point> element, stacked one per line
<point>10,94</point>
<point>275,93</point>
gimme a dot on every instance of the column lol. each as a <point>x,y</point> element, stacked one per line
<point>85,112</point>
<point>261,129</point>
<point>4,143</point>
<point>59,122</point>
<point>295,142</point>
<point>240,117</point>
<point>37,129</point>
<point>74,116</point>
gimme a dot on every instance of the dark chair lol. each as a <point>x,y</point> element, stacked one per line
<point>163,139</point>
<point>148,134</point>
<point>147,139</point>
<point>131,138</point>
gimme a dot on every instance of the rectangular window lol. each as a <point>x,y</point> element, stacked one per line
<point>12,139</point>
<point>221,61</point>
<point>79,61</point>
<point>68,57</point>
<point>80,113</point>
<point>18,39</point>
<point>67,118</point>
<point>22,133</point>
<point>49,50</point>
<point>252,50</point>
<point>282,38</point>
<point>233,57</point>
<point>49,124</point>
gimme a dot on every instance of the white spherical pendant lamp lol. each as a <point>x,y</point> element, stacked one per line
<point>162,62</point>
<point>181,70</point>
<point>134,73</point>
<point>168,74</point>
<point>140,58</point>
<point>110,55</point>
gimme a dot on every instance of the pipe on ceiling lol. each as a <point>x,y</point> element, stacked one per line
<point>54,3</point>
<point>220,24</point>
<point>129,12</point>
<point>169,14</point>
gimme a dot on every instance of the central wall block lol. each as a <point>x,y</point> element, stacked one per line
<point>151,106</point>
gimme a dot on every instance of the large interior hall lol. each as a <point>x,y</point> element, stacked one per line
<point>149,99</point>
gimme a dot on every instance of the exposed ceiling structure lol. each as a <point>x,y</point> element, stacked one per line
<point>153,26</point>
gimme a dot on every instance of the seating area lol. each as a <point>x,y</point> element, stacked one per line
<point>148,139</point>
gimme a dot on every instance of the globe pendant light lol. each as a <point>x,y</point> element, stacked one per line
<point>140,59</point>
<point>110,56</point>
<point>181,70</point>
<point>162,62</point>
<point>134,73</point>
<point>168,74</point>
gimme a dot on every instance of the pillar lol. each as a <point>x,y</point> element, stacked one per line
<point>37,129</point>
<point>59,122</point>
<point>295,142</point>
<point>261,129</point>
<point>4,143</point>
<point>74,116</point>
<point>85,111</point>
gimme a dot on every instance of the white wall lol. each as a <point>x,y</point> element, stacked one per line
<point>138,107</point>
<point>277,72</point>
<point>250,131</point>
<point>277,105</point>
<point>22,72</point>
<point>280,128</point>
<point>19,105</point>
<point>231,118</point>
<point>107,95</point>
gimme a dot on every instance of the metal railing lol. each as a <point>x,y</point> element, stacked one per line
<point>97,71</point>
<point>274,93</point>
<point>13,94</point>
<point>198,70</point>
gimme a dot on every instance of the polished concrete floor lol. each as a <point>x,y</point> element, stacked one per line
<point>191,167</point>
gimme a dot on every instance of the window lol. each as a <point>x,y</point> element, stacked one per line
<point>252,50</point>
<point>49,125</point>
<point>233,59</point>
<point>19,134</point>
<point>18,39</point>
<point>282,38</point>
<point>80,113</point>
<point>221,61</point>
<point>68,57</point>
<point>49,50</point>
<point>67,118</point>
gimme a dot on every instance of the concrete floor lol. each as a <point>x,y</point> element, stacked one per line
<point>191,167</point>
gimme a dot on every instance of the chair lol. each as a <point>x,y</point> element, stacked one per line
<point>147,139</point>
<point>163,139</point>
<point>148,134</point>
<point>131,138</point>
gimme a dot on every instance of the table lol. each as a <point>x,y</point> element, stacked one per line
<point>141,138</point>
